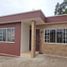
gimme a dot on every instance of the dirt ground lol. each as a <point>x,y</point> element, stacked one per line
<point>38,61</point>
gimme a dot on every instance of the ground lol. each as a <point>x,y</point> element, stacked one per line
<point>38,61</point>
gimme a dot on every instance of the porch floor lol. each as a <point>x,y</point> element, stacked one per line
<point>28,54</point>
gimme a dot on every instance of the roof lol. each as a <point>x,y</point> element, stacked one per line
<point>56,19</point>
<point>22,16</point>
<point>37,15</point>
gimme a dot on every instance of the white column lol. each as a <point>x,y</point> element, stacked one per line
<point>33,38</point>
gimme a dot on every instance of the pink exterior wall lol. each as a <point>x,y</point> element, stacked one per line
<point>12,48</point>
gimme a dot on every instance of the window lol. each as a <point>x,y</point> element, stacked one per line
<point>52,36</point>
<point>7,34</point>
<point>47,35</point>
<point>56,35</point>
<point>65,37</point>
<point>1,34</point>
<point>10,34</point>
<point>59,36</point>
<point>4,34</point>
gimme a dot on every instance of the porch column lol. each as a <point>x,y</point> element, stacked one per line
<point>33,38</point>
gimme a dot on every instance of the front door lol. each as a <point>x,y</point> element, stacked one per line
<point>37,39</point>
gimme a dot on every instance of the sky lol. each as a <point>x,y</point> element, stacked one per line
<point>8,7</point>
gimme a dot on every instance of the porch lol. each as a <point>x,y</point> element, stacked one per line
<point>30,39</point>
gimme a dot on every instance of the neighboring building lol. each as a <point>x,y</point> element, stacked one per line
<point>32,31</point>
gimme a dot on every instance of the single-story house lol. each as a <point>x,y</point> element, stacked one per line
<point>31,32</point>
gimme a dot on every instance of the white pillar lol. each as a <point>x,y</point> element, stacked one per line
<point>33,38</point>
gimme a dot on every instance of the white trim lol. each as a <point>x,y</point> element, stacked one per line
<point>6,42</point>
<point>49,43</point>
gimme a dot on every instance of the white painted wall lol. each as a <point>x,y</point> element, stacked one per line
<point>24,37</point>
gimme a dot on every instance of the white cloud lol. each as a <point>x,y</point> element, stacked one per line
<point>17,6</point>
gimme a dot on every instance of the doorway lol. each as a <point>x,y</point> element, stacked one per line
<point>37,39</point>
<point>26,39</point>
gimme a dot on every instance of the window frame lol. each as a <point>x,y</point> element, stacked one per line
<point>6,41</point>
<point>55,36</point>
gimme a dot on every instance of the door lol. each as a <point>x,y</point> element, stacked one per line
<point>37,40</point>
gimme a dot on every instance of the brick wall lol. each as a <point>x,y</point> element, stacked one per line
<point>11,48</point>
<point>55,48</point>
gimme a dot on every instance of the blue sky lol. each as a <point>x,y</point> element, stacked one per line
<point>8,7</point>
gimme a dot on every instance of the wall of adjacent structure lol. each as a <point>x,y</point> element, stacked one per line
<point>53,48</point>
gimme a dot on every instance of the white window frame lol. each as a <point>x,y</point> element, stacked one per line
<point>55,36</point>
<point>6,41</point>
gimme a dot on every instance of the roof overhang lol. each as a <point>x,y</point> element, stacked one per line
<point>52,23</point>
<point>37,16</point>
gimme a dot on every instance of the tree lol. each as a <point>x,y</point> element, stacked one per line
<point>61,9</point>
<point>65,0</point>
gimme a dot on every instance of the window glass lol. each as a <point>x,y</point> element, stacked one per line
<point>7,34</point>
<point>11,34</point>
<point>4,34</point>
<point>52,35</point>
<point>59,36</point>
<point>65,35</point>
<point>1,34</point>
<point>56,35</point>
<point>46,35</point>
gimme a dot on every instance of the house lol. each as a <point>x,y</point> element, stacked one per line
<point>31,32</point>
